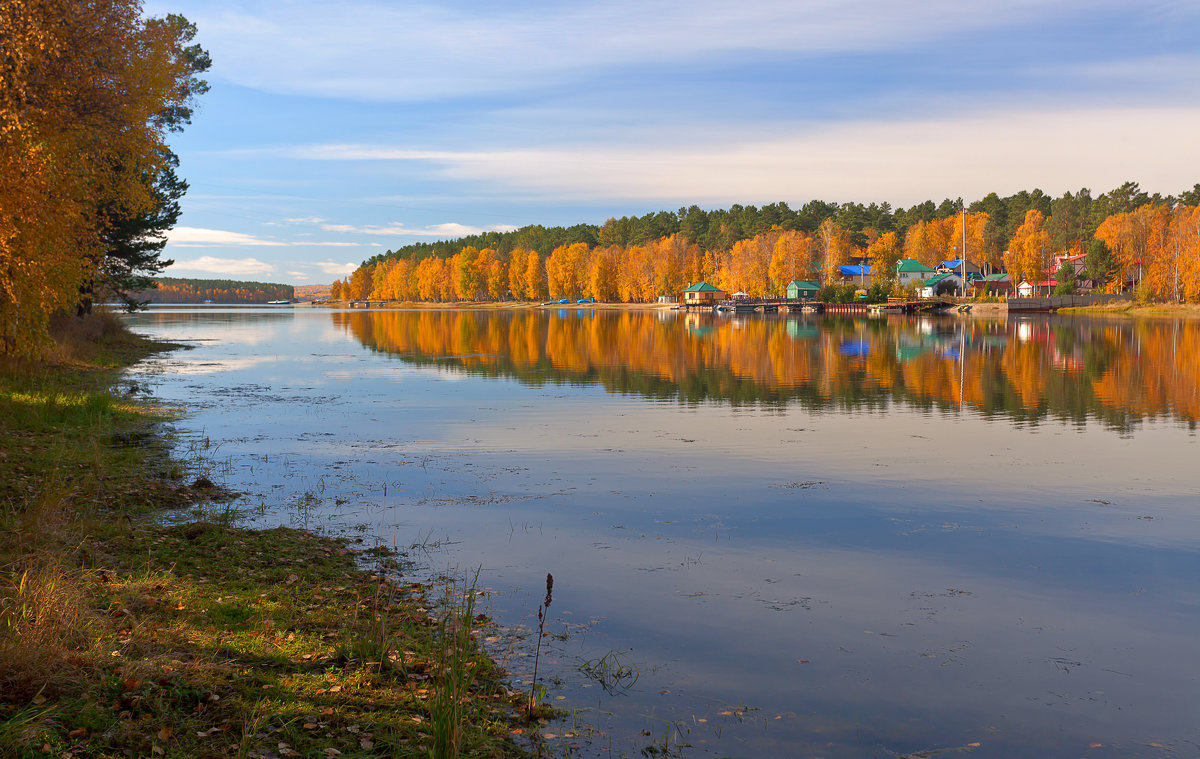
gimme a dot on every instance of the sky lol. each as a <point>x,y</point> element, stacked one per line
<point>336,131</point>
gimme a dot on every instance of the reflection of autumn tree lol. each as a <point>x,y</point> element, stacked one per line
<point>1063,370</point>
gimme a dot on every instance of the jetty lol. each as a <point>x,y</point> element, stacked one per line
<point>809,305</point>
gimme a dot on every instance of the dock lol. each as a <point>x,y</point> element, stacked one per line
<point>786,305</point>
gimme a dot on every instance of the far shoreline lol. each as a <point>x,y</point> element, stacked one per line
<point>1124,309</point>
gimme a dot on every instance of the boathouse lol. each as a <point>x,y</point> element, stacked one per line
<point>802,288</point>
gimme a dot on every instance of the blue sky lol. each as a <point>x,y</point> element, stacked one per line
<point>335,131</point>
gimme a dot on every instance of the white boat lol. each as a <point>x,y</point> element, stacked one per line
<point>279,303</point>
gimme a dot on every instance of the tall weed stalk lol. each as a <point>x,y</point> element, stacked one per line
<point>543,611</point>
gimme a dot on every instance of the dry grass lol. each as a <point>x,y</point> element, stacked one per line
<point>45,624</point>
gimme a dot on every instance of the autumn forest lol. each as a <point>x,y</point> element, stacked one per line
<point>1131,240</point>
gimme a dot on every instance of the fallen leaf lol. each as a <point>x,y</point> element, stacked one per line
<point>164,734</point>
<point>310,725</point>
<point>79,732</point>
<point>39,699</point>
<point>336,689</point>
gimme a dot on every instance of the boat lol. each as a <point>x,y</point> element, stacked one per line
<point>279,303</point>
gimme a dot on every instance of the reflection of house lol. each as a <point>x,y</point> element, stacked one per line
<point>802,288</point>
<point>942,284</point>
<point>798,330</point>
<point>702,292</point>
<point>910,270</point>
<point>856,274</point>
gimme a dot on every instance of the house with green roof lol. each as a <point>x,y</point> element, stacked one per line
<point>942,284</point>
<point>910,270</point>
<point>993,283</point>
<point>802,288</point>
<point>702,292</point>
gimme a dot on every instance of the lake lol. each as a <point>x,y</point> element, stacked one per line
<point>803,536</point>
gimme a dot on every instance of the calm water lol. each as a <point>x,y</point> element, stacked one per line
<point>811,537</point>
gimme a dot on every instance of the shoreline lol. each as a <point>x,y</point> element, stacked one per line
<point>204,638</point>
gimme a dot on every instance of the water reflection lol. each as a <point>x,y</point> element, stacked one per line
<point>1025,370</point>
<point>794,571</point>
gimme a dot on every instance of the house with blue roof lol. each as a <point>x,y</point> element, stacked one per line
<point>856,274</point>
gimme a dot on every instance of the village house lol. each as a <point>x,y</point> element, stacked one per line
<point>856,274</point>
<point>991,284</point>
<point>702,292</point>
<point>963,268</point>
<point>911,271</point>
<point>941,284</point>
<point>1027,289</point>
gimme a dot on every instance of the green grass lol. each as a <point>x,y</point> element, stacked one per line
<point>123,637</point>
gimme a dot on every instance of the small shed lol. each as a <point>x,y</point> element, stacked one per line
<point>702,292</point>
<point>1029,289</point>
<point>802,288</point>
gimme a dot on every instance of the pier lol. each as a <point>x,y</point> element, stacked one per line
<point>786,305</point>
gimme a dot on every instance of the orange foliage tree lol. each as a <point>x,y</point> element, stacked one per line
<point>83,87</point>
<point>1028,254</point>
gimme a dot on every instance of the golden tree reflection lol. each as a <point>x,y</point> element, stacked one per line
<point>1026,370</point>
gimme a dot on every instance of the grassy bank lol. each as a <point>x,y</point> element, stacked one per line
<point>120,636</point>
<point>1130,308</point>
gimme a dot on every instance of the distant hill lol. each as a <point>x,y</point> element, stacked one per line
<point>311,292</point>
<point>176,290</point>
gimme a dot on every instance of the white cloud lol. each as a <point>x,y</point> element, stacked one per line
<point>299,274</point>
<point>398,229</point>
<point>197,237</point>
<point>897,161</point>
<point>233,267</point>
<point>414,50</point>
<point>333,267</point>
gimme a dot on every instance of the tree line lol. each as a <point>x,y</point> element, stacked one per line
<point>1128,237</point>
<point>89,91</point>
<point>175,290</point>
